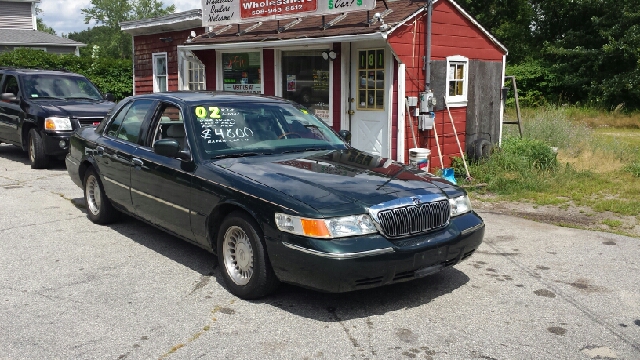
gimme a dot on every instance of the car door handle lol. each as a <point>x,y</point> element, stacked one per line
<point>137,162</point>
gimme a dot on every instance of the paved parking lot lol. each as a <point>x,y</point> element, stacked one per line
<point>72,289</point>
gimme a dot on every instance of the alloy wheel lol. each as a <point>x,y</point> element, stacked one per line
<point>93,195</point>
<point>238,255</point>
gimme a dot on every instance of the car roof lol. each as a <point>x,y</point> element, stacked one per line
<point>197,97</point>
<point>26,71</point>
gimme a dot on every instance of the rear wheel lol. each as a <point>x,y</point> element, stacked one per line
<point>246,269</point>
<point>37,157</point>
<point>99,208</point>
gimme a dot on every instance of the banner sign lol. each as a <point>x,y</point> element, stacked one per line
<point>225,12</point>
<point>246,88</point>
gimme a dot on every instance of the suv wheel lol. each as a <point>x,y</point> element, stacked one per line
<point>37,157</point>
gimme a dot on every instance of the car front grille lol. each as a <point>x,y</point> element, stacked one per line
<point>89,121</point>
<point>412,219</point>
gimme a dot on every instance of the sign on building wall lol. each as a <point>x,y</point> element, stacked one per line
<point>224,12</point>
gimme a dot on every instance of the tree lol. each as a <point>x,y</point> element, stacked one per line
<point>592,48</point>
<point>109,14</point>
<point>509,20</point>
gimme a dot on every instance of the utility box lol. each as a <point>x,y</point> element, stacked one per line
<point>412,101</point>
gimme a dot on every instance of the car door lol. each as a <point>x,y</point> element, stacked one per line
<point>161,186</point>
<point>116,148</point>
<point>11,115</point>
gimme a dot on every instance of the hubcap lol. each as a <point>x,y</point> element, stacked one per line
<point>238,255</point>
<point>93,195</point>
<point>32,150</point>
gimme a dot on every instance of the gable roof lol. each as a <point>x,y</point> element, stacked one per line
<point>34,38</point>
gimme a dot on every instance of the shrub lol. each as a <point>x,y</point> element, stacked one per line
<point>536,154</point>
<point>109,75</point>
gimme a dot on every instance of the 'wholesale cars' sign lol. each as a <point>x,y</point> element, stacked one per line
<point>225,12</point>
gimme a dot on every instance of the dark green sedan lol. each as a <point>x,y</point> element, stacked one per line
<point>273,191</point>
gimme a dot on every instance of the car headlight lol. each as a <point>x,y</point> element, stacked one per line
<point>57,123</point>
<point>460,205</point>
<point>326,228</point>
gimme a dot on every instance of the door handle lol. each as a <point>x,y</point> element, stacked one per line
<point>137,162</point>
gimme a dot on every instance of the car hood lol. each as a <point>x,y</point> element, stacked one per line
<point>340,180</point>
<point>75,108</point>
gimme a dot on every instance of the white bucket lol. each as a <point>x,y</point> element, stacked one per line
<point>419,157</point>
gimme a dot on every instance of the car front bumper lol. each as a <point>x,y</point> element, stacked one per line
<point>370,261</point>
<point>52,142</point>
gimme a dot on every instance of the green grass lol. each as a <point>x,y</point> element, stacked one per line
<point>594,167</point>
<point>612,223</point>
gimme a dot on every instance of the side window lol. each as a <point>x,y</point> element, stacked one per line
<point>159,72</point>
<point>132,121</point>
<point>10,85</point>
<point>170,125</point>
<point>112,128</point>
<point>457,81</point>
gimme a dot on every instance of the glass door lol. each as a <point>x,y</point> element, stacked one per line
<point>305,80</point>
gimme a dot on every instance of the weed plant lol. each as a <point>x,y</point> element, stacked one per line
<point>529,169</point>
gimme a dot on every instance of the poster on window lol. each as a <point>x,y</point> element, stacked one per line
<point>225,12</point>
<point>322,114</point>
<point>245,88</point>
<point>291,83</point>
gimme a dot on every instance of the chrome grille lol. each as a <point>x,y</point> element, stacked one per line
<point>87,121</point>
<point>414,219</point>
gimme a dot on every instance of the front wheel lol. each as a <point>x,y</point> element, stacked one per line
<point>99,208</point>
<point>37,156</point>
<point>246,269</point>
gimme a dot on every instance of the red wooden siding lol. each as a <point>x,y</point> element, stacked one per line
<point>452,34</point>
<point>145,46</point>
<point>268,62</point>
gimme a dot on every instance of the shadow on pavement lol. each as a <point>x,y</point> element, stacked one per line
<point>303,302</point>
<point>15,154</point>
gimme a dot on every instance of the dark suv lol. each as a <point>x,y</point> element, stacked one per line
<point>40,109</point>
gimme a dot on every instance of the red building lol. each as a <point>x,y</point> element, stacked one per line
<point>357,71</point>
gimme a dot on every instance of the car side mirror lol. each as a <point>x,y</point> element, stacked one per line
<point>109,97</point>
<point>171,149</point>
<point>346,135</point>
<point>167,147</point>
<point>10,97</point>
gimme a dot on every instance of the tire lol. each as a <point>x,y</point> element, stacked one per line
<point>35,149</point>
<point>484,148</point>
<point>243,258</point>
<point>99,208</point>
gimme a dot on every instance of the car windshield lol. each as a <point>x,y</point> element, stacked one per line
<point>60,86</point>
<point>243,129</point>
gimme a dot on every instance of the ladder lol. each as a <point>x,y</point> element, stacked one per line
<point>515,92</point>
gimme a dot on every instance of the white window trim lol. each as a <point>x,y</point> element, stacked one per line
<point>156,88</point>
<point>460,100</point>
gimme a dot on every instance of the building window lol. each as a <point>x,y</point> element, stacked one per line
<point>195,75</point>
<point>305,79</point>
<point>371,79</point>
<point>241,72</point>
<point>457,80</point>
<point>160,72</point>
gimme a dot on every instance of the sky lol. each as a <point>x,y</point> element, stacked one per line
<point>64,16</point>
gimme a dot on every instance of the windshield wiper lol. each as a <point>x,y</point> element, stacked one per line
<point>224,156</point>
<point>81,98</point>
<point>46,97</point>
<point>306,149</point>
